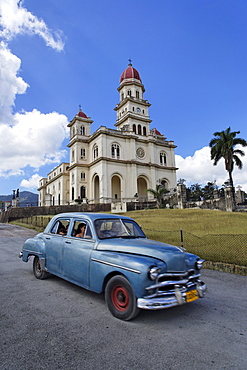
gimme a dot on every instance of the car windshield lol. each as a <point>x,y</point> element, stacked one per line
<point>118,228</point>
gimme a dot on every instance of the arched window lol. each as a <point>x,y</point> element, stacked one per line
<point>137,94</point>
<point>139,130</point>
<point>163,158</point>
<point>115,151</point>
<point>83,192</point>
<point>95,152</point>
<point>134,128</point>
<point>72,156</point>
<point>144,131</point>
<point>164,183</point>
<point>122,96</point>
<point>129,92</point>
<point>73,193</point>
<point>82,130</point>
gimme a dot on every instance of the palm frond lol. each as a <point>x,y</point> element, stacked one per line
<point>223,146</point>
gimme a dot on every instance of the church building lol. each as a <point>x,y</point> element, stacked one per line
<point>113,165</point>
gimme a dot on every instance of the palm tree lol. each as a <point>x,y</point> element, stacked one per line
<point>158,193</point>
<point>222,146</point>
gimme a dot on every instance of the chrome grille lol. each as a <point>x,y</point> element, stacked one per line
<point>167,283</point>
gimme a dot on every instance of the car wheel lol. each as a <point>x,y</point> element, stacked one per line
<point>120,298</point>
<point>38,272</point>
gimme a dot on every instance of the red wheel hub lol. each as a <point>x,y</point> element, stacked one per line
<point>120,298</point>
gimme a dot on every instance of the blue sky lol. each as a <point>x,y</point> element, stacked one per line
<point>55,55</point>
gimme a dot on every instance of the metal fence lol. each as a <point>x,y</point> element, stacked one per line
<point>39,222</point>
<point>220,248</point>
<point>227,248</point>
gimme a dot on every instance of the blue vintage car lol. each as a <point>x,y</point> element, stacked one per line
<point>110,253</point>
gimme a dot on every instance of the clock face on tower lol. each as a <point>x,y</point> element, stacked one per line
<point>140,153</point>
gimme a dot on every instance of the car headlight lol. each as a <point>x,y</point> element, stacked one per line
<point>199,264</point>
<point>153,272</point>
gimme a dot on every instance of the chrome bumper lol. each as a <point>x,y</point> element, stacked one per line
<point>178,297</point>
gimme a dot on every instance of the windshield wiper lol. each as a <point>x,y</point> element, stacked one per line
<point>123,237</point>
<point>129,236</point>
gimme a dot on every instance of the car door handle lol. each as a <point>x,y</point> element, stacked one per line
<point>67,242</point>
<point>48,238</point>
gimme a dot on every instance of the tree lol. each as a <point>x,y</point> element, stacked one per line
<point>208,190</point>
<point>194,192</point>
<point>158,194</point>
<point>223,146</point>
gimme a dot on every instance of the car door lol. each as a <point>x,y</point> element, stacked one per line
<point>76,256</point>
<point>54,242</point>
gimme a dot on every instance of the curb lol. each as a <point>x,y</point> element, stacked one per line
<point>226,267</point>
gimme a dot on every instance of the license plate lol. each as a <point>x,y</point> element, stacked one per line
<point>191,296</point>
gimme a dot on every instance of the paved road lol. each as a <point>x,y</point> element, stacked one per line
<point>52,324</point>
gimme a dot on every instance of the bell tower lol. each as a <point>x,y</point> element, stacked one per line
<point>132,110</point>
<point>80,126</point>
<point>79,135</point>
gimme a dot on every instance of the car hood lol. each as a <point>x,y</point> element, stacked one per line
<point>174,257</point>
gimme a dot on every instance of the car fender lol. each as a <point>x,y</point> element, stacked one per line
<point>191,261</point>
<point>33,247</point>
<point>135,268</point>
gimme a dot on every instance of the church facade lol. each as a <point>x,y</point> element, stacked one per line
<point>113,165</point>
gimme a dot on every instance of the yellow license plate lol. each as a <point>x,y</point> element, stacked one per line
<point>191,296</point>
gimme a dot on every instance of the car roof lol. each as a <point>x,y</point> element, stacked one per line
<point>90,215</point>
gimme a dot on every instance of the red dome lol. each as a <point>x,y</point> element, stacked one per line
<point>81,114</point>
<point>130,72</point>
<point>157,132</point>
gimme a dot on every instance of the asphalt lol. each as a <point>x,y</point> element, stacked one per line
<point>53,324</point>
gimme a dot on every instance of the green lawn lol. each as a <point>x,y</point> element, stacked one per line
<point>196,221</point>
<point>214,235</point>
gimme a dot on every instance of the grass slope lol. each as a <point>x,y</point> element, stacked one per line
<point>213,235</point>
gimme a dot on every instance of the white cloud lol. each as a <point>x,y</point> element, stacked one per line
<point>15,19</point>
<point>32,182</point>
<point>27,138</point>
<point>199,168</point>
<point>11,83</point>
<point>34,139</point>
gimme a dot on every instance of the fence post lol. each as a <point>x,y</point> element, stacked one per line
<point>181,238</point>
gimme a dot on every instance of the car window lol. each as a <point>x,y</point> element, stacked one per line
<point>133,228</point>
<point>60,227</point>
<point>81,229</point>
<point>116,228</point>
